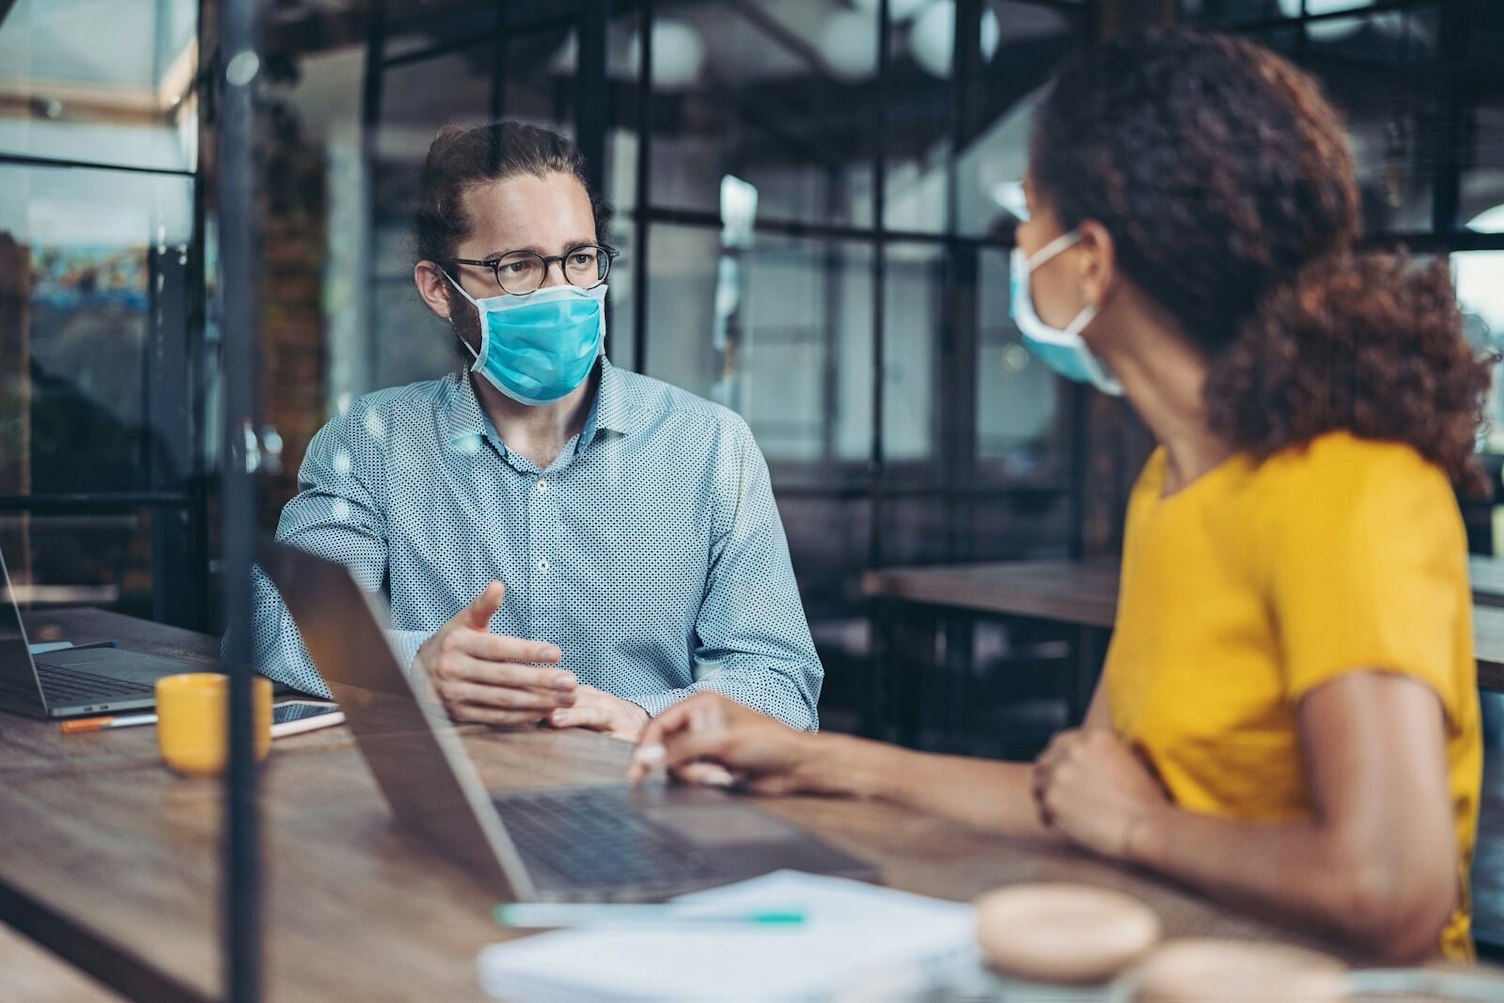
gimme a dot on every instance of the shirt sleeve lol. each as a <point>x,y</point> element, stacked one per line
<point>1370,571</point>
<point>336,515</point>
<point>754,644</point>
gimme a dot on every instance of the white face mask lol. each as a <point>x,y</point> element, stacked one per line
<point>1064,351</point>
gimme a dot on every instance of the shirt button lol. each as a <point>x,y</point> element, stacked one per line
<point>542,564</point>
<point>542,485</point>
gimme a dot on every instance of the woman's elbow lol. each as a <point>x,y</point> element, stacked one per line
<point>1396,913</point>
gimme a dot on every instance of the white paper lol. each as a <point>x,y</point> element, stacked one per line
<point>855,936</point>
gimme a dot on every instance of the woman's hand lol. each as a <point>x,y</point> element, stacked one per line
<point>1094,790</point>
<point>709,739</point>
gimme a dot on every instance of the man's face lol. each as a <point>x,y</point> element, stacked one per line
<point>547,215</point>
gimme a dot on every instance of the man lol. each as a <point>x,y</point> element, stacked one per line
<point>560,541</point>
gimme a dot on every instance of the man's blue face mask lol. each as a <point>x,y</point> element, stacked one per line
<point>539,347</point>
<point>1063,351</point>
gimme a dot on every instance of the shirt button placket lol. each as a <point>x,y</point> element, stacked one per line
<point>545,533</point>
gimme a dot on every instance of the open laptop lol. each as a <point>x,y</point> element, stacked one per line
<point>73,681</point>
<point>593,844</point>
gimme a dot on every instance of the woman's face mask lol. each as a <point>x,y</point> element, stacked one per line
<point>539,347</point>
<point>1064,351</point>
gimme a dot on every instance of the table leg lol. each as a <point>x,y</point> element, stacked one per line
<point>956,736</point>
<point>904,652</point>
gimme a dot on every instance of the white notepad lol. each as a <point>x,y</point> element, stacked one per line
<point>854,935</point>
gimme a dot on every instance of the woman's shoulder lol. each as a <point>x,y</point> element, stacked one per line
<point>1340,465</point>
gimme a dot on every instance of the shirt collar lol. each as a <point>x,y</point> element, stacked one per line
<point>610,411</point>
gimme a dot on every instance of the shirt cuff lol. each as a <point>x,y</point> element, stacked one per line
<point>657,703</point>
<point>406,644</point>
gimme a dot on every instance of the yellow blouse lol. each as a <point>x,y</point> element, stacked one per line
<point>1259,582</point>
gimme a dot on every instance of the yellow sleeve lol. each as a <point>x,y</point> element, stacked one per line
<point>1369,568</point>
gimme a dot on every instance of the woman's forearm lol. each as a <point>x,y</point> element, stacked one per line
<point>1304,873</point>
<point>988,795</point>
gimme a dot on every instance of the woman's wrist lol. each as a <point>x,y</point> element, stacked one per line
<point>1143,835</point>
<point>835,764</point>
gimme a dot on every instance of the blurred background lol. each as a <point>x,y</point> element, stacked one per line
<point>841,176</point>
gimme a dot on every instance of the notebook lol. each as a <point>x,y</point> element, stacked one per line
<point>855,935</point>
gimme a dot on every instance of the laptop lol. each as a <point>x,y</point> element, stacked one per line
<point>72,681</point>
<point>554,844</point>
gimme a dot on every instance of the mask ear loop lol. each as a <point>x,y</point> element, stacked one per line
<point>1054,247</point>
<point>485,330</point>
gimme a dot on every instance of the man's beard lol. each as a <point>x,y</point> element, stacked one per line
<point>464,323</point>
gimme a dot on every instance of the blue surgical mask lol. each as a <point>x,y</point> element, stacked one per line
<point>539,347</point>
<point>1063,351</point>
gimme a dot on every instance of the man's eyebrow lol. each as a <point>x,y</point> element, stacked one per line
<point>538,250</point>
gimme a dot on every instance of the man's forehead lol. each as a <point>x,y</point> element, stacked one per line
<point>528,210</point>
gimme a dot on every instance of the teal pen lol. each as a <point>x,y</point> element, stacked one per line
<point>547,915</point>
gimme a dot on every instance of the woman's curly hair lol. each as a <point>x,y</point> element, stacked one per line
<point>1224,178</point>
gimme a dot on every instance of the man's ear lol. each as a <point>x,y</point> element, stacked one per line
<point>433,287</point>
<point>1099,265</point>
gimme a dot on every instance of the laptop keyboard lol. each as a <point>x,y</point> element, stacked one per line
<point>69,685</point>
<point>598,838</point>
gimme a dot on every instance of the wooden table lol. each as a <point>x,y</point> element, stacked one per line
<point>1086,594</point>
<point>113,862</point>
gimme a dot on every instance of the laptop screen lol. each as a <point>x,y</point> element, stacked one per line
<point>18,677</point>
<point>405,737</point>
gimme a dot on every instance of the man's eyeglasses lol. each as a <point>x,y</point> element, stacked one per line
<point>519,272</point>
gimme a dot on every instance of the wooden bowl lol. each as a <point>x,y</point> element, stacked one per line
<point>1065,933</point>
<point>1234,971</point>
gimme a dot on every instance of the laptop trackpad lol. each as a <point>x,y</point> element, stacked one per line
<point>129,665</point>
<point>720,824</point>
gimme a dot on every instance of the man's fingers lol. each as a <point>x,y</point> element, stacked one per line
<point>495,648</point>
<point>582,716</point>
<point>504,697</point>
<point>477,615</point>
<point>490,715</point>
<point>472,668</point>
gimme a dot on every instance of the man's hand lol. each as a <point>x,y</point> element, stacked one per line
<point>598,710</point>
<point>489,679</point>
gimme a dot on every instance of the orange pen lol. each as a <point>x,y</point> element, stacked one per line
<point>83,724</point>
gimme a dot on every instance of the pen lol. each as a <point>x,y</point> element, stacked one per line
<point>537,915</point>
<point>80,725</point>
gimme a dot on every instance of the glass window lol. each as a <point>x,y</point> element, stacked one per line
<point>1480,292</point>
<point>992,157</point>
<point>1482,181</point>
<point>1381,70</point>
<point>799,314</point>
<point>85,559</point>
<point>1020,403</point>
<point>96,382</point>
<point>82,80</point>
<point>779,94</point>
<point>1231,13</point>
<point>914,305</point>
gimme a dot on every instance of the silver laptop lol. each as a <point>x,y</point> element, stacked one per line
<point>73,681</point>
<point>599,843</point>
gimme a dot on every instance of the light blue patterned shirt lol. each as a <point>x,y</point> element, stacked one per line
<point>650,551</point>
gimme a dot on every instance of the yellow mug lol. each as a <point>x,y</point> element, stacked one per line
<point>192,725</point>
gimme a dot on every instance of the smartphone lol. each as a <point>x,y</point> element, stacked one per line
<point>298,716</point>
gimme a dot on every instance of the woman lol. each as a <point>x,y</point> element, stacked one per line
<point>1288,717</point>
